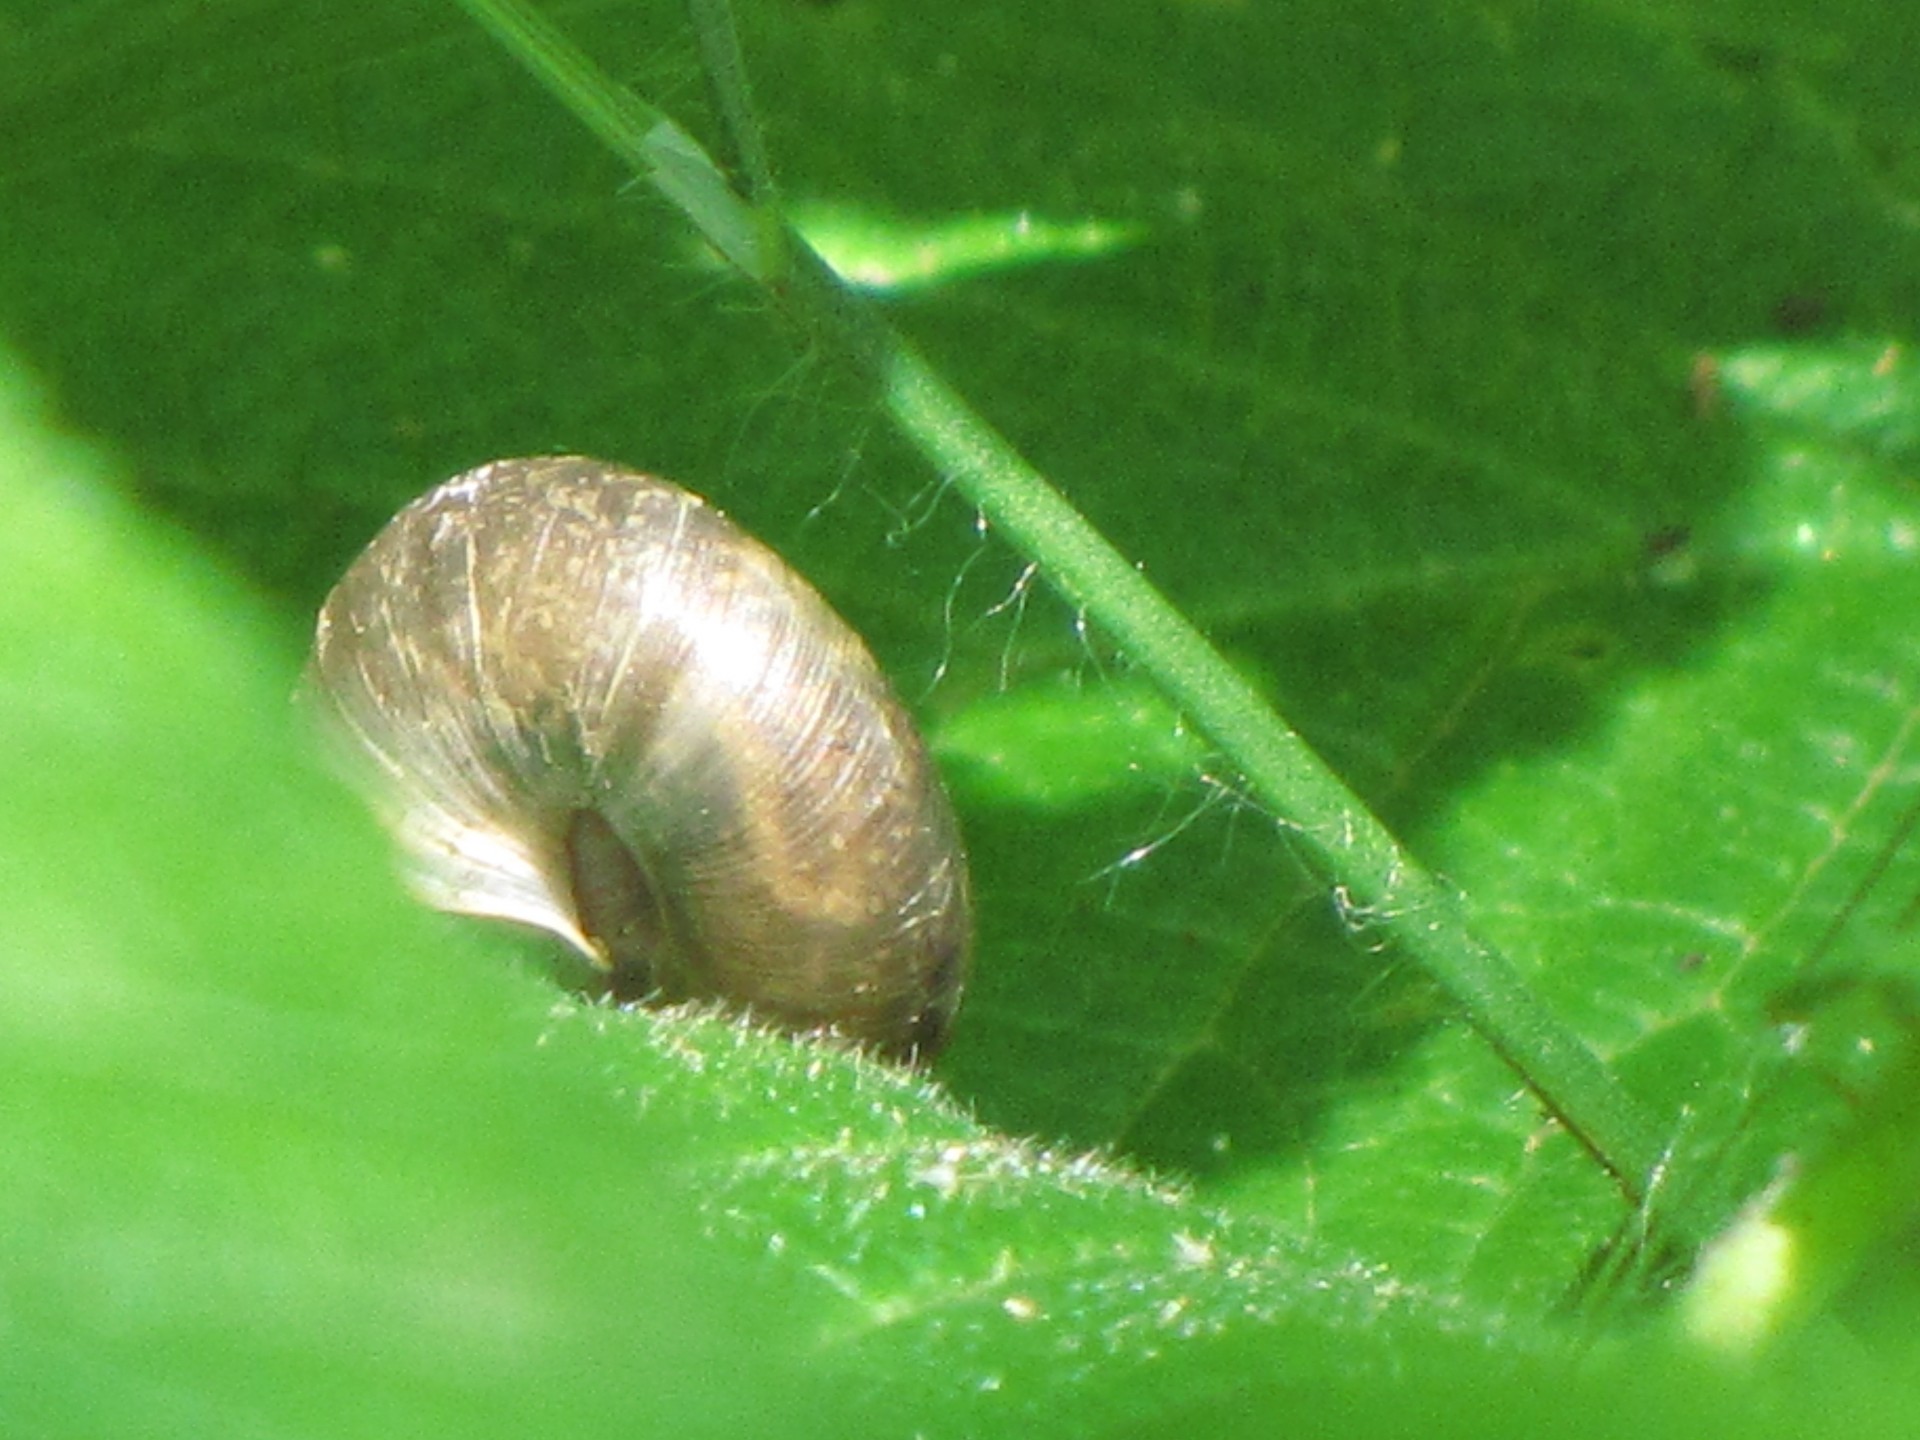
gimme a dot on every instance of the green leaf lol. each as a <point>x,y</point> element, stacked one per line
<point>285,1154</point>
<point>245,1189</point>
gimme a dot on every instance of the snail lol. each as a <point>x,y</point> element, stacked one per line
<point>586,701</point>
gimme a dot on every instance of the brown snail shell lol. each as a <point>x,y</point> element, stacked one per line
<point>586,701</point>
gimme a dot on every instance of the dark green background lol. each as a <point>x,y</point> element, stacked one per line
<point>1518,391</point>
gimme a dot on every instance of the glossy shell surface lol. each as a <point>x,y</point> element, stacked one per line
<point>585,700</point>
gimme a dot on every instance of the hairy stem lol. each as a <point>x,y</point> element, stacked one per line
<point>1357,855</point>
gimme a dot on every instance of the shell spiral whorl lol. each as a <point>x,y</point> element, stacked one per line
<point>585,700</point>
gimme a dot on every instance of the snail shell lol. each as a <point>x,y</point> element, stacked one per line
<point>586,701</point>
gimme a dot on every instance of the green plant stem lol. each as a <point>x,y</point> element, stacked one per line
<point>727,71</point>
<point>1371,874</point>
<point>638,133</point>
<point>720,53</point>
